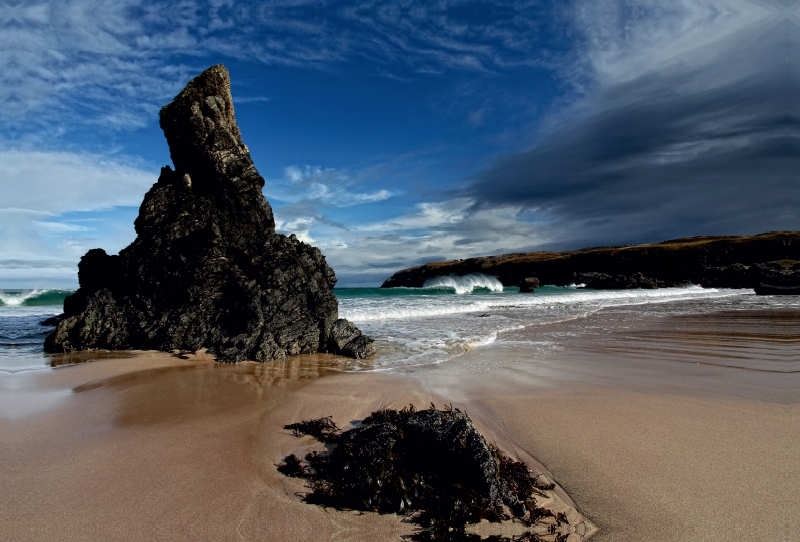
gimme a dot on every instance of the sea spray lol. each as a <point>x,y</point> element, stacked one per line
<point>466,284</point>
<point>15,298</point>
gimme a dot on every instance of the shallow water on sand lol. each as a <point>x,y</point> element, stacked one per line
<point>415,327</point>
<point>418,326</point>
<point>749,347</point>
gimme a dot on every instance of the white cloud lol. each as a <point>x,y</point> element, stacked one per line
<point>38,188</point>
<point>311,191</point>
<point>366,253</point>
<point>369,253</point>
<point>58,182</point>
<point>627,38</point>
<point>322,187</point>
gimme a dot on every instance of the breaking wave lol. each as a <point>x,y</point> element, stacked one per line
<point>466,284</point>
<point>33,298</point>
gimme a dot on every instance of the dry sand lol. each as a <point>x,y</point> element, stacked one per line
<point>651,444</point>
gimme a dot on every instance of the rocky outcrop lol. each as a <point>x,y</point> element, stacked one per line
<point>207,268</point>
<point>751,276</point>
<point>769,289</point>
<point>725,262</point>
<point>528,285</point>
<point>602,281</point>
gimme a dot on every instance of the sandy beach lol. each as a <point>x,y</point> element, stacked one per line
<point>672,428</point>
<point>663,429</point>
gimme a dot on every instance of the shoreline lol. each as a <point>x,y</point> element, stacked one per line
<point>187,448</point>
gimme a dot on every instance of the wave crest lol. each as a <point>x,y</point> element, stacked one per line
<point>466,284</point>
<point>33,298</point>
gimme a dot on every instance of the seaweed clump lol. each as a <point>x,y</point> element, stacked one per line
<point>430,464</point>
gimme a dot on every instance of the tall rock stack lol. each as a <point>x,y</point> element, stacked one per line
<point>207,269</point>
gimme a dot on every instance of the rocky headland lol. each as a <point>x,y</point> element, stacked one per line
<point>207,268</point>
<point>723,261</point>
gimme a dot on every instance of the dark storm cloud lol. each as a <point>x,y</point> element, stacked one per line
<point>687,148</point>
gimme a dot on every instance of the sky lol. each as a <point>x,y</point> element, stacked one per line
<point>393,133</point>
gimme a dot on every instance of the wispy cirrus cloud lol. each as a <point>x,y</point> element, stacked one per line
<point>675,118</point>
<point>50,182</point>
<point>324,186</point>
<point>113,62</point>
<point>306,193</point>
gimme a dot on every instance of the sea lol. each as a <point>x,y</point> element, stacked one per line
<point>414,327</point>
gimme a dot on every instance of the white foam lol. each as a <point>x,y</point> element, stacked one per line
<point>14,300</point>
<point>430,327</point>
<point>401,308</point>
<point>466,284</point>
<point>432,307</point>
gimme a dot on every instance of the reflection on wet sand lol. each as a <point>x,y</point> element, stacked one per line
<point>746,353</point>
<point>163,448</point>
<point>754,354</point>
<point>669,427</point>
<point>74,358</point>
<point>177,449</point>
<point>203,387</point>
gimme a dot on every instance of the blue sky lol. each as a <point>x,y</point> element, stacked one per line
<point>398,132</point>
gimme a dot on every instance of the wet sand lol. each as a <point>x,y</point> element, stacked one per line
<point>677,428</point>
<point>156,448</point>
<point>656,432</point>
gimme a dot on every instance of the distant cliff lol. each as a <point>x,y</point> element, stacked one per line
<point>721,261</point>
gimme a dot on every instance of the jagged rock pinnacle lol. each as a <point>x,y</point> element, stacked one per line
<point>207,269</point>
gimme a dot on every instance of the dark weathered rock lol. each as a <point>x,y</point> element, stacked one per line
<point>602,281</point>
<point>49,322</point>
<point>528,285</point>
<point>207,268</point>
<point>751,276</point>
<point>735,276</point>
<point>769,289</point>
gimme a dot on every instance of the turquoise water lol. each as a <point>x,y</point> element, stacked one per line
<point>21,333</point>
<point>411,326</point>
<point>33,298</point>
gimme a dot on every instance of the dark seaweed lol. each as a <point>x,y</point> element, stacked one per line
<point>430,464</point>
<point>428,536</point>
<point>323,429</point>
<point>293,467</point>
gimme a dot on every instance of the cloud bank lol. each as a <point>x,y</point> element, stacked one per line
<point>693,128</point>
